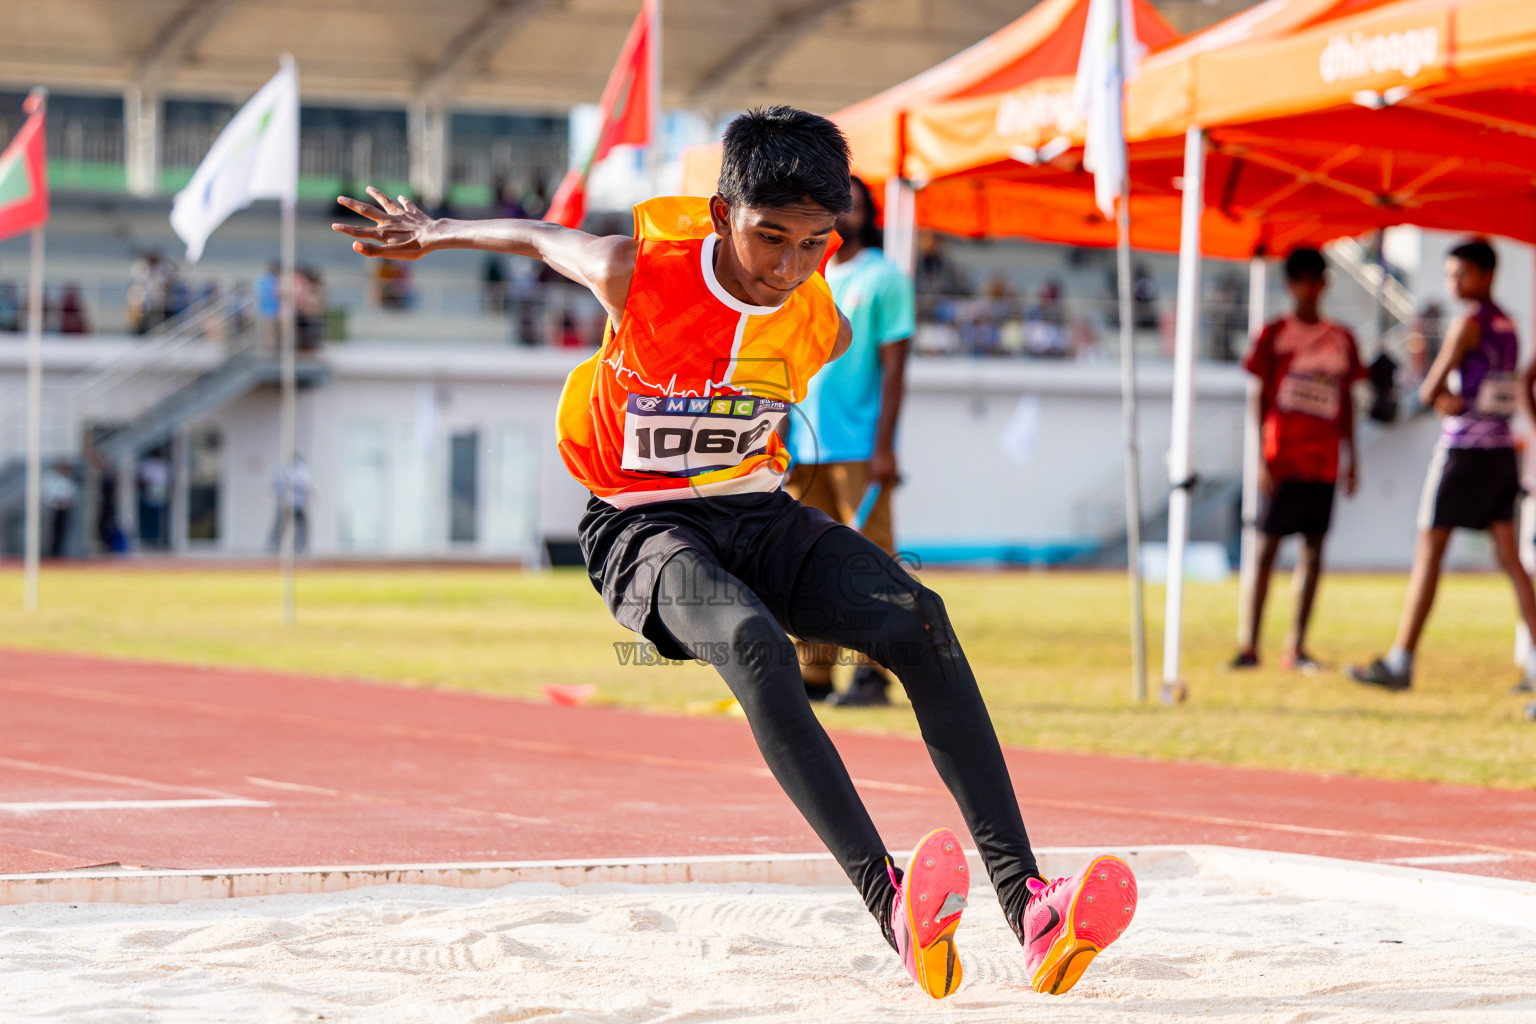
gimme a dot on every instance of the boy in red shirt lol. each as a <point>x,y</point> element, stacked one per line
<point>1305,366</point>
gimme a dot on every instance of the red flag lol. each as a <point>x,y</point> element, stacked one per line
<point>624,116</point>
<point>24,175</point>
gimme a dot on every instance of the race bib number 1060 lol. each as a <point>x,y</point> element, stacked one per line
<point>689,436</point>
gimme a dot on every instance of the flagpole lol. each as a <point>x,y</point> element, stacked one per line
<point>286,413</point>
<point>34,513</point>
<point>657,132</point>
<point>1132,448</point>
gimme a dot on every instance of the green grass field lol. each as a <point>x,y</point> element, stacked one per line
<point>1050,649</point>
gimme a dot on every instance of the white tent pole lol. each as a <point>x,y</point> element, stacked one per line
<point>1187,318</point>
<point>658,132</point>
<point>1132,449</point>
<point>34,496</point>
<point>901,224</point>
<point>286,417</point>
<point>1252,453</point>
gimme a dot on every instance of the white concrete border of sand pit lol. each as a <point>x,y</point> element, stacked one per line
<point>1499,900</point>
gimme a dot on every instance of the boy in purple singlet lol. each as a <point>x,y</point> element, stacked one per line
<point>1474,479</point>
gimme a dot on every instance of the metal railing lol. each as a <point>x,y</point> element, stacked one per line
<point>114,388</point>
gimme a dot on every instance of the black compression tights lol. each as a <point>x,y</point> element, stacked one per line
<point>853,595</point>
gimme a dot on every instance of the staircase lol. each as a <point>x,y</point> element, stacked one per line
<point>1355,260</point>
<point>188,368</point>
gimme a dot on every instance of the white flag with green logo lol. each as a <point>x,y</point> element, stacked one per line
<point>256,156</point>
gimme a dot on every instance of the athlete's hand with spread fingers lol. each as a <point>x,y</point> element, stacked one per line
<point>400,230</point>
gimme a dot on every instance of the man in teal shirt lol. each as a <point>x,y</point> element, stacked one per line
<point>843,438</point>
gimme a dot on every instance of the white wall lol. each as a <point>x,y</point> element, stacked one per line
<point>993,452</point>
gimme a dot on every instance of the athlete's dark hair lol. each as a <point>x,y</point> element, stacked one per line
<point>870,235</point>
<point>1477,252</point>
<point>780,156</point>
<point>1305,264</point>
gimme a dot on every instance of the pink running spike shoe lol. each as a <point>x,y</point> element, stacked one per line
<point>926,913</point>
<point>1068,922</point>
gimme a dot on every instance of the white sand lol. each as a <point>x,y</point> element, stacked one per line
<point>1203,947</point>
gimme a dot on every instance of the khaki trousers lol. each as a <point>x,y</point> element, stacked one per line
<point>837,488</point>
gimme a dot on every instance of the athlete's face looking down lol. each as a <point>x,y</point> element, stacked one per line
<point>1465,281</point>
<point>765,254</point>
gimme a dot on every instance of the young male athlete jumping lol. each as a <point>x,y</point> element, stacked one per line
<point>718,318</point>
<point>1474,479</point>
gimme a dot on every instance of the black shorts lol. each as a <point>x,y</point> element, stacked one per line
<point>1297,506</point>
<point>1470,488</point>
<point>761,539</point>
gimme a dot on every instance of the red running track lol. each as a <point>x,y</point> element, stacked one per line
<point>287,771</point>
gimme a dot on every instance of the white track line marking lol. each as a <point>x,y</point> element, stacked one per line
<point>685,764</point>
<point>125,780</point>
<point>1455,858</point>
<point>39,806</point>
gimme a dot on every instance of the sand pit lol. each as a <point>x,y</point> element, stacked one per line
<point>1207,944</point>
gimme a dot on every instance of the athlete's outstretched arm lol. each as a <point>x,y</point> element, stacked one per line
<point>400,230</point>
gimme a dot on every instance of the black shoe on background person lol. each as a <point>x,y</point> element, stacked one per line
<point>868,690</point>
<point>1378,674</point>
<point>816,692</point>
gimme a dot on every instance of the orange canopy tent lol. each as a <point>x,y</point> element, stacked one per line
<point>1322,118</point>
<point>1026,72</point>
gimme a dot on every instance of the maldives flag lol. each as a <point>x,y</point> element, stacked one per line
<point>24,175</point>
<point>625,114</point>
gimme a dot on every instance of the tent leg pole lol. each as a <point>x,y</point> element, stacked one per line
<point>901,224</point>
<point>1252,454</point>
<point>1132,452</point>
<point>1187,317</point>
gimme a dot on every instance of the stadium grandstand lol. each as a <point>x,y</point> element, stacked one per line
<point>427,390</point>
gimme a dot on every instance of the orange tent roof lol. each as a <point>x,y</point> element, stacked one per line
<point>1325,118</point>
<point>1043,45</point>
<point>1419,112</point>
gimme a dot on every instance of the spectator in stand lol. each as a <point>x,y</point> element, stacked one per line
<point>154,496</point>
<point>291,491</point>
<point>392,284</point>
<point>10,307</point>
<point>527,301</point>
<point>148,293</point>
<point>535,199</point>
<point>1045,333</point>
<point>309,308</point>
<point>1143,299</point>
<point>570,337</point>
<point>269,306</point>
<point>72,318</point>
<point>493,284</point>
<point>1228,318</point>
<point>59,494</point>
<point>508,204</point>
<point>108,535</point>
<point>937,279</point>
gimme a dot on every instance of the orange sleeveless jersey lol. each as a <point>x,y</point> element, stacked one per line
<point>688,396</point>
